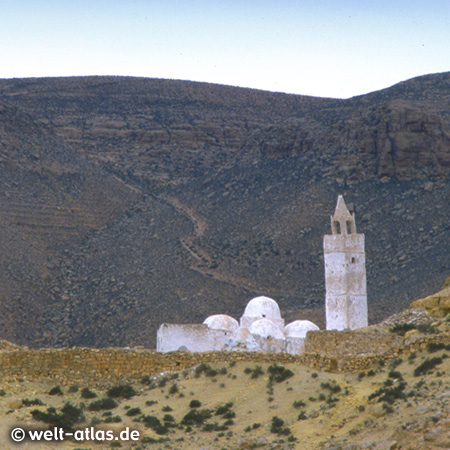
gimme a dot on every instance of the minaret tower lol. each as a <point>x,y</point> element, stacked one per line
<point>345,272</point>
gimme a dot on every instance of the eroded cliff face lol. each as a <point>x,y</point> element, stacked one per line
<point>128,202</point>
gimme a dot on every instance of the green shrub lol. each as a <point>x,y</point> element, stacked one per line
<point>70,416</point>
<point>151,402</point>
<point>195,404</point>
<point>74,388</point>
<point>56,391</point>
<point>389,395</point>
<point>196,417</point>
<point>427,366</point>
<point>277,427</point>
<point>395,374</point>
<point>104,403</point>
<point>87,393</point>
<point>113,419</point>
<point>279,373</point>
<point>299,404</point>
<point>35,402</point>
<point>223,409</point>
<point>206,369</point>
<point>435,346</point>
<point>133,412</point>
<point>302,416</point>
<point>333,387</point>
<point>167,408</point>
<point>173,389</point>
<point>122,390</point>
<point>254,372</point>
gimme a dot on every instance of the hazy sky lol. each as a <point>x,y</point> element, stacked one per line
<point>313,47</point>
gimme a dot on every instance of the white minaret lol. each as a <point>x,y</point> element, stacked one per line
<point>345,272</point>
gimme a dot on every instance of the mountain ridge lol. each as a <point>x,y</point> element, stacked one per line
<point>154,201</point>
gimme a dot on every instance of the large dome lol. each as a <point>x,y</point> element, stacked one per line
<point>263,308</point>
<point>266,328</point>
<point>299,328</point>
<point>222,322</point>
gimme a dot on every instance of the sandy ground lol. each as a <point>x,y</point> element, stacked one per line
<point>329,420</point>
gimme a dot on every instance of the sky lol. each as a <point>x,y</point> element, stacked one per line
<point>322,48</point>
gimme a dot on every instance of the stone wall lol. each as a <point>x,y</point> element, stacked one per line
<point>105,366</point>
<point>339,343</point>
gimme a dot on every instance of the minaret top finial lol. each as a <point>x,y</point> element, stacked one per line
<point>342,222</point>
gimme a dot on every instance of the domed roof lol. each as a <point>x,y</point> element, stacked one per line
<point>221,322</point>
<point>299,328</point>
<point>266,328</point>
<point>263,307</point>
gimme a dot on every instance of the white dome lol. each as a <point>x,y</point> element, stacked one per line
<point>222,322</point>
<point>299,328</point>
<point>263,307</point>
<point>266,328</point>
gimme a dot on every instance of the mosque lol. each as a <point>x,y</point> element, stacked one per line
<point>261,327</point>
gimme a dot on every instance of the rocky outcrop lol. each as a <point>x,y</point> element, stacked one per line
<point>437,304</point>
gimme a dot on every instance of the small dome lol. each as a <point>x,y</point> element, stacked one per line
<point>263,307</point>
<point>221,322</point>
<point>266,328</point>
<point>299,328</point>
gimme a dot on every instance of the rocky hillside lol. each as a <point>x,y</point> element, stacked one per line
<point>127,202</point>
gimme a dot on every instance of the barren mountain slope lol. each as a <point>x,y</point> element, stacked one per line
<point>138,201</point>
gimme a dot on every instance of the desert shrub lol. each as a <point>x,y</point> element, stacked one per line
<point>151,402</point>
<point>302,416</point>
<point>214,427</point>
<point>122,390</point>
<point>387,408</point>
<point>427,366</point>
<point>168,418</point>
<point>299,404</point>
<point>435,346</point>
<point>371,373</point>
<point>195,404</point>
<point>70,416</point>
<point>152,440</point>
<point>277,427</point>
<point>167,408</point>
<point>256,425</point>
<point>206,369</point>
<point>35,402</point>
<point>196,417</point>
<point>133,412</point>
<point>229,415</point>
<point>361,375</point>
<point>395,363</point>
<point>254,372</point>
<point>389,394</point>
<point>314,375</point>
<point>395,374</point>
<point>74,388</point>
<point>113,419</point>
<point>333,387</point>
<point>173,389</point>
<point>155,424</point>
<point>2,392</point>
<point>279,373</point>
<point>402,328</point>
<point>104,403</point>
<point>56,390</point>
<point>223,409</point>
<point>87,393</point>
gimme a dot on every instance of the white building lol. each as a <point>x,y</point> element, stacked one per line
<point>345,272</point>
<point>261,328</point>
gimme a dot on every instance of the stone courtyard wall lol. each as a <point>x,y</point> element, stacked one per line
<point>105,366</point>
